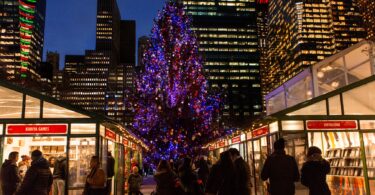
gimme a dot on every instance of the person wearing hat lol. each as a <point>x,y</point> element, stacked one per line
<point>314,171</point>
<point>38,178</point>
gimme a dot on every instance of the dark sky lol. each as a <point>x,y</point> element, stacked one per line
<point>70,24</point>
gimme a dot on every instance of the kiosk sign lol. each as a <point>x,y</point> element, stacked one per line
<point>236,139</point>
<point>260,131</point>
<point>331,125</point>
<point>110,134</point>
<point>22,129</point>
<point>125,142</point>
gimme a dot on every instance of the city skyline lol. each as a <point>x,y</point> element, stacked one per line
<point>69,36</point>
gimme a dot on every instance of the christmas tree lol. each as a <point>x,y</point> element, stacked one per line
<point>174,109</point>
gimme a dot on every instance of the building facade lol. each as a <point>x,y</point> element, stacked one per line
<point>228,41</point>
<point>302,33</point>
<point>22,39</point>
<point>368,12</point>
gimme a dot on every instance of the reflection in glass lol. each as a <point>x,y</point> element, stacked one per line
<point>54,111</point>
<point>32,109</point>
<point>10,103</point>
<point>359,101</point>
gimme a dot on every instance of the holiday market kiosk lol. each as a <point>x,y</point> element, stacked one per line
<point>29,121</point>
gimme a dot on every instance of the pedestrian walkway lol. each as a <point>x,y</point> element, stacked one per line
<point>148,185</point>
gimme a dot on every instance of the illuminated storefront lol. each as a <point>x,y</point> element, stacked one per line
<point>30,121</point>
<point>331,106</point>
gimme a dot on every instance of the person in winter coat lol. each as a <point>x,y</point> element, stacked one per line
<point>110,172</point>
<point>24,165</point>
<point>165,179</point>
<point>242,173</point>
<point>189,180</point>
<point>281,170</point>
<point>59,176</point>
<point>10,177</point>
<point>96,180</point>
<point>38,178</point>
<point>221,180</point>
<point>135,182</point>
<point>314,171</point>
<point>203,171</point>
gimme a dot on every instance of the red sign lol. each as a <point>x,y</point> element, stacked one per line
<point>125,142</point>
<point>221,144</point>
<point>236,139</point>
<point>134,146</point>
<point>110,134</point>
<point>37,129</point>
<point>260,131</point>
<point>331,125</point>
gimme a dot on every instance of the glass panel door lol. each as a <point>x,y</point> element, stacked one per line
<point>80,152</point>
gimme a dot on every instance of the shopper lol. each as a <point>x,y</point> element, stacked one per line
<point>242,173</point>
<point>203,171</point>
<point>166,179</point>
<point>10,177</point>
<point>281,170</point>
<point>38,178</point>
<point>59,176</point>
<point>110,172</point>
<point>95,181</point>
<point>314,171</point>
<point>189,180</point>
<point>135,182</point>
<point>24,165</point>
<point>221,180</point>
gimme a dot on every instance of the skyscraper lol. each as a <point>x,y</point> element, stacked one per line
<point>228,41</point>
<point>368,12</point>
<point>304,32</point>
<point>142,46</point>
<point>22,38</point>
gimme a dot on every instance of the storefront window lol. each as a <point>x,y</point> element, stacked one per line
<point>334,105</point>
<point>369,141</point>
<point>318,108</point>
<point>360,100</point>
<point>274,127</point>
<point>10,103</point>
<point>1,129</point>
<point>367,124</point>
<point>88,128</point>
<point>80,152</point>
<point>32,109</point>
<point>54,111</point>
<point>299,91</point>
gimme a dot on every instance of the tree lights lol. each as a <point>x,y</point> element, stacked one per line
<point>173,107</point>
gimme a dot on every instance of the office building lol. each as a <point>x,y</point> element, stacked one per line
<point>143,43</point>
<point>367,8</point>
<point>228,41</point>
<point>22,39</point>
<point>302,33</point>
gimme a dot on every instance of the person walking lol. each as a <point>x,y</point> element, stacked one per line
<point>165,179</point>
<point>203,171</point>
<point>189,180</point>
<point>135,182</point>
<point>110,172</point>
<point>38,178</point>
<point>95,181</point>
<point>242,173</point>
<point>221,178</point>
<point>281,170</point>
<point>314,172</point>
<point>59,176</point>
<point>10,177</point>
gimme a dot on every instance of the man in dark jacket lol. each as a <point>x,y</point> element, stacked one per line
<point>281,170</point>
<point>10,177</point>
<point>38,178</point>
<point>110,172</point>
<point>242,173</point>
<point>59,176</point>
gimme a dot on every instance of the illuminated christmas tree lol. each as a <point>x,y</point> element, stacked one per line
<point>174,109</point>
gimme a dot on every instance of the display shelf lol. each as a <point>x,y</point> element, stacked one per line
<point>346,167</point>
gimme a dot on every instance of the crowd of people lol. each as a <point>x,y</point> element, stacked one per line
<point>231,174</point>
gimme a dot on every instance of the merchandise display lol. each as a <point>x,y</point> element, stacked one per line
<point>369,140</point>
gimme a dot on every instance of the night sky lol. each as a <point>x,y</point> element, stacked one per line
<point>70,24</point>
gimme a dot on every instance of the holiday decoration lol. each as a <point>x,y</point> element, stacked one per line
<point>174,109</point>
<point>27,12</point>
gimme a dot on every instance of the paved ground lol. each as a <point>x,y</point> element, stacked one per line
<point>148,185</point>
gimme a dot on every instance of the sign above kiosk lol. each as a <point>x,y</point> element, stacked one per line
<point>29,129</point>
<point>331,125</point>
